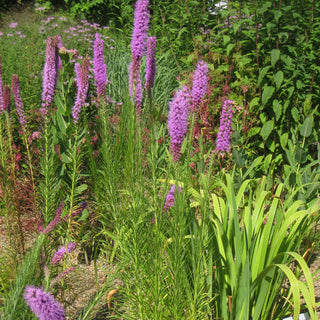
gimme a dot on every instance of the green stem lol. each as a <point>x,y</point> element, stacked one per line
<point>46,174</point>
<point>73,181</point>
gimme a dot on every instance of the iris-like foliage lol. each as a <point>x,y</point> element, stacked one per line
<point>100,68</point>
<point>178,120</point>
<point>18,101</point>
<point>200,84</point>
<point>223,140</point>
<point>150,63</point>
<point>83,85</point>
<point>43,304</point>
<point>50,73</point>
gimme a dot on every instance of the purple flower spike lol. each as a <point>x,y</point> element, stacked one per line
<point>223,140</point>
<point>18,101</point>
<point>150,63</point>
<point>6,98</point>
<point>55,221</point>
<point>83,85</point>
<point>62,251</point>
<point>100,68</point>
<point>178,120</point>
<point>200,84</point>
<point>170,199</point>
<point>1,93</point>
<point>43,304</point>
<point>140,29</point>
<point>50,73</point>
<point>138,46</point>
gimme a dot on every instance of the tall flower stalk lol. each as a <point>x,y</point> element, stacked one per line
<point>150,64</point>
<point>200,84</point>
<point>100,68</point>
<point>138,47</point>
<point>6,98</point>
<point>223,140</point>
<point>178,120</point>
<point>1,93</point>
<point>18,101</point>
<point>50,73</point>
<point>83,85</point>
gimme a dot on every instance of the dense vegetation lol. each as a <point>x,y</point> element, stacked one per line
<point>215,222</point>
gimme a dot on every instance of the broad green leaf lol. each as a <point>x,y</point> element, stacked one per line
<point>278,78</point>
<point>284,140</point>
<point>301,155</point>
<point>266,130</point>
<point>270,144</point>
<point>290,92</point>
<point>306,127</point>
<point>275,55</point>
<point>295,114</point>
<point>267,94</point>
<point>262,74</point>
<point>277,108</point>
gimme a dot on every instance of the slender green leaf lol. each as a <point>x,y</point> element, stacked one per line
<point>63,125</point>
